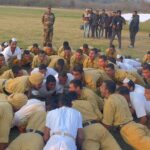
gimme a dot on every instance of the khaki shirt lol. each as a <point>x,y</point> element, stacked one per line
<point>112,54</point>
<point>145,59</point>
<point>90,64</point>
<point>6,118</point>
<point>116,111</point>
<point>9,74</point>
<point>53,52</point>
<point>74,61</point>
<point>36,62</point>
<point>87,110</point>
<point>94,99</point>
<point>18,85</point>
<point>48,20</point>
<point>37,121</point>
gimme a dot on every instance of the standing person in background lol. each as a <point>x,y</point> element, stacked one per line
<point>48,20</point>
<point>86,17</point>
<point>117,24</point>
<point>133,28</point>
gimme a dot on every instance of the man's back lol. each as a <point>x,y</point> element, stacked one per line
<point>64,119</point>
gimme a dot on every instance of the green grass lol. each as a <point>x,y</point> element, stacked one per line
<point>25,24</point>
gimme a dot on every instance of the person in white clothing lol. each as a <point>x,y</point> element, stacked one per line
<point>63,127</point>
<point>22,115</point>
<point>44,70</point>
<point>12,52</point>
<point>47,90</point>
<point>63,80</point>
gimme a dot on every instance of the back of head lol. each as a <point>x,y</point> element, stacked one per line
<point>123,90</point>
<point>77,83</point>
<point>62,74</point>
<point>15,69</point>
<point>110,85</point>
<point>42,67</point>
<point>78,68</point>
<point>110,66</point>
<point>35,45</point>
<point>65,44</point>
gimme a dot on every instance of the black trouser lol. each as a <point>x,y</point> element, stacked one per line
<point>114,33</point>
<point>93,29</point>
<point>132,37</point>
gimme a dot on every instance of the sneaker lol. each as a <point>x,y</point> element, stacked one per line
<point>131,46</point>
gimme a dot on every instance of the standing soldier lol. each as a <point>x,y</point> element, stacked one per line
<point>117,24</point>
<point>133,28</point>
<point>48,20</point>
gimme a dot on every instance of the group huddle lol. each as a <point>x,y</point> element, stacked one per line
<point>66,99</point>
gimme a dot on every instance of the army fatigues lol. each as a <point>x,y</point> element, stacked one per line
<point>33,138</point>
<point>116,113</point>
<point>117,24</point>
<point>9,74</point>
<point>96,137</point>
<point>48,22</point>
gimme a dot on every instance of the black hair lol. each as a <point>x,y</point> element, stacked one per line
<point>49,45</point>
<point>26,52</point>
<point>111,66</point>
<point>65,43</point>
<point>79,51</point>
<point>123,90</point>
<point>61,62</point>
<point>42,52</point>
<point>146,66</point>
<point>94,50</point>
<point>63,74</point>
<point>15,69</point>
<point>78,68</point>
<point>67,48</point>
<point>35,45</point>
<point>85,45</point>
<point>131,84</point>
<point>112,46</point>
<point>42,67</point>
<point>148,52</point>
<point>110,85</point>
<point>104,57</point>
<point>111,59</point>
<point>1,55</point>
<point>50,79</point>
<point>77,83</point>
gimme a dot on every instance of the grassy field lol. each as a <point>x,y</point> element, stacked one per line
<point>25,24</point>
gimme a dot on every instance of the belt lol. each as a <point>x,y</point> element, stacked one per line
<point>122,125</point>
<point>87,123</point>
<point>3,87</point>
<point>36,131</point>
<point>63,134</point>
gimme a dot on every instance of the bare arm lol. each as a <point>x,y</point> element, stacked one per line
<point>143,120</point>
<point>46,134</point>
<point>3,146</point>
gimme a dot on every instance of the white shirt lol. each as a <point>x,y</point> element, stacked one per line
<point>43,92</point>
<point>8,54</point>
<point>132,62</point>
<point>50,71</point>
<point>125,66</point>
<point>140,104</point>
<point>66,120</point>
<point>139,89</point>
<point>27,110</point>
<point>61,88</point>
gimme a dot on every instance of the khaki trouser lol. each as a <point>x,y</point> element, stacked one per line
<point>98,138</point>
<point>137,135</point>
<point>1,85</point>
<point>27,141</point>
<point>48,36</point>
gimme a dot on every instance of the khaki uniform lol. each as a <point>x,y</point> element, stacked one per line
<point>3,69</point>
<point>120,75</point>
<point>27,62</point>
<point>6,117</point>
<point>88,50</point>
<point>112,54</point>
<point>94,77</point>
<point>48,22</point>
<point>96,137</point>
<point>74,61</point>
<point>9,74</point>
<point>31,140</point>
<point>54,60</point>
<point>145,59</point>
<point>36,62</point>
<point>90,64</point>
<point>17,85</point>
<point>116,113</point>
<point>94,99</point>
<point>53,52</point>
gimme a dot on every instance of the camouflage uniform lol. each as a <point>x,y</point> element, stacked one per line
<point>48,20</point>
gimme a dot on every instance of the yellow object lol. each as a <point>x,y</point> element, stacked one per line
<point>36,78</point>
<point>17,100</point>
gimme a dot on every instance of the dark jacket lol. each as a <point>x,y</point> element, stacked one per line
<point>134,24</point>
